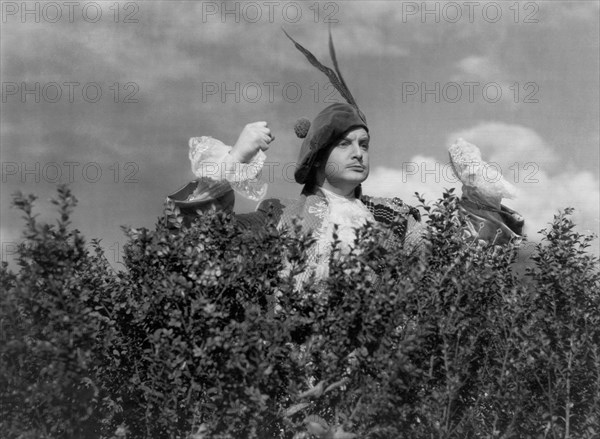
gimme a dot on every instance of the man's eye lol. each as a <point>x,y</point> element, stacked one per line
<point>364,146</point>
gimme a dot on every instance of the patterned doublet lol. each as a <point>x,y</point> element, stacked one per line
<point>393,213</point>
<point>312,209</point>
<point>399,222</point>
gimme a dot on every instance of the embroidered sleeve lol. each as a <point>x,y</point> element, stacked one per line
<point>219,173</point>
<point>495,226</point>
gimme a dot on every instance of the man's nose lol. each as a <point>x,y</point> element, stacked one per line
<point>357,150</point>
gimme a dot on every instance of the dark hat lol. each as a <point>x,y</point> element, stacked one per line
<point>330,125</point>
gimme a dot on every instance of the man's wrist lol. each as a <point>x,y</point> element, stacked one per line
<point>235,156</point>
<point>230,162</point>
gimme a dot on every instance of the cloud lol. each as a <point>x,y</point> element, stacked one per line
<point>577,12</point>
<point>421,174</point>
<point>544,197</point>
<point>508,145</point>
<point>489,76</point>
<point>480,67</point>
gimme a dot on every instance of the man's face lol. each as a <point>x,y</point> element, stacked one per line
<point>348,160</point>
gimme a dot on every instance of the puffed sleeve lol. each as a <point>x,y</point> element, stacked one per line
<point>482,192</point>
<point>220,173</point>
<point>219,177</point>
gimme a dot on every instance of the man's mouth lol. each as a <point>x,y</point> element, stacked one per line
<point>356,167</point>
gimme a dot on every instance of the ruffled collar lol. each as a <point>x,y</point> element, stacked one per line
<point>348,214</point>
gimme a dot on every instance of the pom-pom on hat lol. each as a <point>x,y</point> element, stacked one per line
<point>301,128</point>
<point>331,123</point>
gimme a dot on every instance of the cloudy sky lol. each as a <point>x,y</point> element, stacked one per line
<point>105,95</point>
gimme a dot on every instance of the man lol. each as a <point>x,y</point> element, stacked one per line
<point>332,163</point>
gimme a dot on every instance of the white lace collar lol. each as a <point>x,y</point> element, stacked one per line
<point>347,211</point>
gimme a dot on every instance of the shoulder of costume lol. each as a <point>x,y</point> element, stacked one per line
<point>503,217</point>
<point>390,207</point>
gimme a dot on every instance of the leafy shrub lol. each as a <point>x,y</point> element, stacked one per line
<point>202,335</point>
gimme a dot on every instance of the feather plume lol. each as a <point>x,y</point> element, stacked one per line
<point>335,77</point>
<point>334,60</point>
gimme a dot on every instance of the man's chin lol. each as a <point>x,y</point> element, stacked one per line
<point>356,177</point>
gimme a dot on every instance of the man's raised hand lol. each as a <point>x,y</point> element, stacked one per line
<point>254,137</point>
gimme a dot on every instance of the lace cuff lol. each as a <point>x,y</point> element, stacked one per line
<point>214,166</point>
<point>477,176</point>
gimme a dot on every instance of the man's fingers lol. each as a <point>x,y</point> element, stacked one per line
<point>263,145</point>
<point>267,138</point>
<point>266,134</point>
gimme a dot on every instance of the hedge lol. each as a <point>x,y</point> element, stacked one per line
<point>202,335</point>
